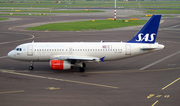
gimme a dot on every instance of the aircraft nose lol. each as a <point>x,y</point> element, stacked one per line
<point>10,54</point>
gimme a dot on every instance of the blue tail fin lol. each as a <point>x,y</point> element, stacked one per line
<point>148,33</point>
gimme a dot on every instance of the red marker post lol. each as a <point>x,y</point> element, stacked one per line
<point>114,10</point>
<point>115,14</point>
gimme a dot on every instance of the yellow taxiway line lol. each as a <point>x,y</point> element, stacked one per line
<point>11,91</point>
<point>126,71</point>
<point>32,36</point>
<point>170,84</point>
<point>155,103</point>
<point>57,79</point>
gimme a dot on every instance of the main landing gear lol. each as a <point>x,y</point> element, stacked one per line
<point>31,67</point>
<point>82,68</point>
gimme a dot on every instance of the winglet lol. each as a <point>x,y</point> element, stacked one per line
<point>148,33</point>
<point>102,59</point>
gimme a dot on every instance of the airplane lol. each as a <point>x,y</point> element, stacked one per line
<point>67,55</point>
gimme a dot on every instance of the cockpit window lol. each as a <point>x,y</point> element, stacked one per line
<point>18,49</point>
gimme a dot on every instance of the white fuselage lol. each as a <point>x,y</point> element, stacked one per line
<point>66,55</point>
<point>46,51</point>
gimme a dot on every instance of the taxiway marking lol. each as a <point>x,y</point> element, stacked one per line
<point>175,26</point>
<point>3,57</point>
<point>155,103</point>
<point>57,79</point>
<point>157,96</point>
<point>156,62</point>
<point>127,71</point>
<point>52,88</point>
<point>165,96</point>
<point>11,92</point>
<point>170,84</point>
<point>17,40</point>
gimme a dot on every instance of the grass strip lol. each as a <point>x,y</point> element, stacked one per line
<point>146,16</point>
<point>25,15</point>
<point>3,18</point>
<point>92,4</point>
<point>87,25</point>
<point>55,11</point>
<point>163,11</point>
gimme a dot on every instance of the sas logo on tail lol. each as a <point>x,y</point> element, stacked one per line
<point>146,37</point>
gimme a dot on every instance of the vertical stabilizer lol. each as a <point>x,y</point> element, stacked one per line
<point>148,33</point>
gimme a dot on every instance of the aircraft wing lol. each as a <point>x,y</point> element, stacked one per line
<point>79,58</point>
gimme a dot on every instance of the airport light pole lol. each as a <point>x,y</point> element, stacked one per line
<point>114,10</point>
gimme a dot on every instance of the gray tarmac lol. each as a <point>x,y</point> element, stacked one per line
<point>148,80</point>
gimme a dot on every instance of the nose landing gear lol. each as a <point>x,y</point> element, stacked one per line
<point>31,67</point>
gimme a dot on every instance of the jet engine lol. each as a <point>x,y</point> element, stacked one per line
<point>60,65</point>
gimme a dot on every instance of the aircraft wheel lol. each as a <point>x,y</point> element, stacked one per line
<point>81,69</point>
<point>31,67</point>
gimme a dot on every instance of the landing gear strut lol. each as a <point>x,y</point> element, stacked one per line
<point>82,68</point>
<point>84,65</point>
<point>31,67</point>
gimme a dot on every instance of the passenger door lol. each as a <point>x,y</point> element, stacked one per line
<point>30,50</point>
<point>128,49</point>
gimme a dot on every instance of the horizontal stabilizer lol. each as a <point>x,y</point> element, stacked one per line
<point>148,48</point>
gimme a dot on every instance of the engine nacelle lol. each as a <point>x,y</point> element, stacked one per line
<point>60,65</point>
